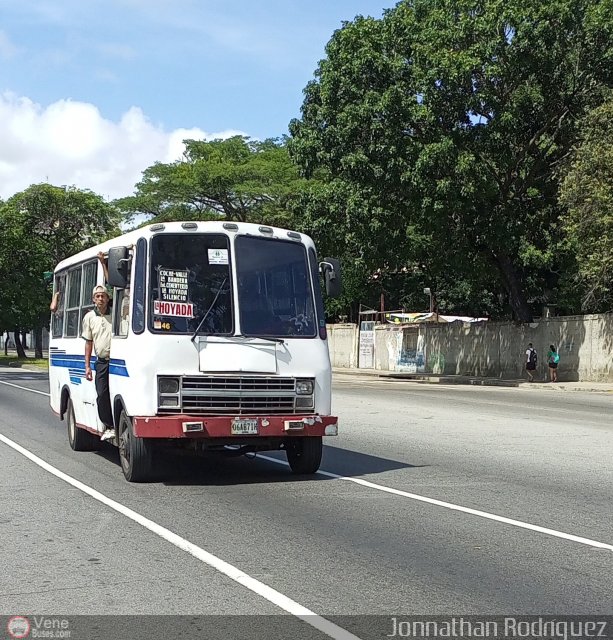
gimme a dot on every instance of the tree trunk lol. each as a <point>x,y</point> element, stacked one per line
<point>20,350</point>
<point>6,344</point>
<point>518,301</point>
<point>24,339</point>
<point>38,343</point>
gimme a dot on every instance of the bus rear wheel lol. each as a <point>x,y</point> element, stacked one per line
<point>135,454</point>
<point>79,439</point>
<point>304,454</point>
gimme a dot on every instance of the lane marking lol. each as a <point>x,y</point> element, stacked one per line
<point>10,384</point>
<point>457,507</point>
<point>439,503</point>
<point>272,595</point>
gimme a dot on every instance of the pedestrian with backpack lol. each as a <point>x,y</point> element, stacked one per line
<point>553,357</point>
<point>531,360</point>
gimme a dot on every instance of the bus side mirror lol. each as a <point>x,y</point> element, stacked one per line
<point>331,269</point>
<point>118,267</point>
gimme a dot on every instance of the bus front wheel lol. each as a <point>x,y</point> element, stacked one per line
<point>304,453</point>
<point>79,439</point>
<point>135,454</point>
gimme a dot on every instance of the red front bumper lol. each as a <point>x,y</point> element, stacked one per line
<point>186,426</point>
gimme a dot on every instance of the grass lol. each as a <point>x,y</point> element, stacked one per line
<point>14,361</point>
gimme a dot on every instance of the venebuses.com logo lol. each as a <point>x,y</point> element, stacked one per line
<point>18,627</point>
<point>36,627</point>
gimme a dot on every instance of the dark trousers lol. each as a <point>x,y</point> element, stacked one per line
<point>102,390</point>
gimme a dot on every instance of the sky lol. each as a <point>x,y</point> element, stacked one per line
<point>92,92</point>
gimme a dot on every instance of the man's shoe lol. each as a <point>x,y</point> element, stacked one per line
<point>109,434</point>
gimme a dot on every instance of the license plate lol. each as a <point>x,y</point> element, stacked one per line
<point>244,427</point>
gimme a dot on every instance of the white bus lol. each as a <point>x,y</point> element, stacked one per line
<point>219,344</point>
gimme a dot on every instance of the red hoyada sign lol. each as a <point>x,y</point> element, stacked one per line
<point>177,309</point>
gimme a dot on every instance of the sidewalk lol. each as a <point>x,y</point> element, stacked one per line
<point>429,378</point>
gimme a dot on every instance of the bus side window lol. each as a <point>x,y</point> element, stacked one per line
<point>58,315</point>
<point>319,303</point>
<point>90,277</point>
<point>122,311</point>
<point>138,288</point>
<point>73,303</point>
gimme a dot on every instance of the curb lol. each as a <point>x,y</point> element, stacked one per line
<point>24,367</point>
<point>427,379</point>
<point>471,380</point>
<point>482,382</point>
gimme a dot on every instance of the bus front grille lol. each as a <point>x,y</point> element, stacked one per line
<point>237,383</point>
<point>237,405</point>
<point>215,395</point>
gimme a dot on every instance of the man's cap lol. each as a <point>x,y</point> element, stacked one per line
<point>100,289</point>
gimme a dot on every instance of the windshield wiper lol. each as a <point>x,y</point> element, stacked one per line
<point>267,338</point>
<point>206,315</point>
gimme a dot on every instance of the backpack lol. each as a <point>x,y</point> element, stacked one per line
<point>532,358</point>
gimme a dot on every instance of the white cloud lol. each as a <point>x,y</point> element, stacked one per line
<point>71,143</point>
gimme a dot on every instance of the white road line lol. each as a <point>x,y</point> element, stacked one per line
<point>275,597</point>
<point>9,384</point>
<point>457,507</point>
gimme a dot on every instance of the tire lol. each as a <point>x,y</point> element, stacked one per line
<point>135,454</point>
<point>304,454</point>
<point>79,439</point>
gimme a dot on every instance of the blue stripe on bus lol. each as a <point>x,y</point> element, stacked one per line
<point>118,368</point>
<point>76,365</point>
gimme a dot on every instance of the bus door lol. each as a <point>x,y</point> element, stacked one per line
<point>81,279</point>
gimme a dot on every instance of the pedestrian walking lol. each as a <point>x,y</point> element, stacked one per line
<point>531,361</point>
<point>553,358</point>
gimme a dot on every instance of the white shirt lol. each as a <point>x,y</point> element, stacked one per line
<point>97,327</point>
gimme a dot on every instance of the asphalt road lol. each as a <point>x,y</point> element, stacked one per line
<point>438,500</point>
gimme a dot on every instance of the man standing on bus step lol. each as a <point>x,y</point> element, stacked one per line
<point>97,334</point>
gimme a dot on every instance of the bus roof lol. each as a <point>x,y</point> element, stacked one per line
<point>209,226</point>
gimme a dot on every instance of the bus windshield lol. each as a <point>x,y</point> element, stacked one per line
<point>275,295</point>
<point>190,275</point>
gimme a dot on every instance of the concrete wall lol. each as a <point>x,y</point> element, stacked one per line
<point>343,343</point>
<point>29,340</point>
<point>388,346</point>
<point>585,345</point>
<point>491,349</point>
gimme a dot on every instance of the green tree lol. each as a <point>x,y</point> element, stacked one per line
<point>587,193</point>
<point>233,179</point>
<point>381,257</point>
<point>40,227</point>
<point>445,122</point>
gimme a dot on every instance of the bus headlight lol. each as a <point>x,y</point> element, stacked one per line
<point>168,385</point>
<point>304,387</point>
